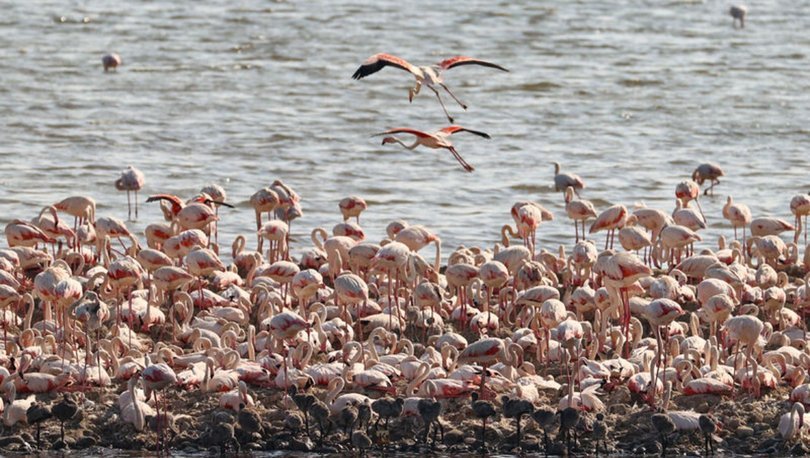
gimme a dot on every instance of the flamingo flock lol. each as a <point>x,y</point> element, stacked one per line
<point>356,343</point>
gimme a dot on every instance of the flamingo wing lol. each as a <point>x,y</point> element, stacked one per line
<point>377,62</point>
<point>175,201</point>
<point>456,61</point>
<point>404,130</point>
<point>455,129</point>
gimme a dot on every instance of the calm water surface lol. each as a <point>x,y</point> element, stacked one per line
<point>631,95</point>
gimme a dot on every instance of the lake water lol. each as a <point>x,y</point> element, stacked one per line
<point>631,95</point>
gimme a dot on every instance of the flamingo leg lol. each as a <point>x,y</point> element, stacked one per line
<point>461,160</point>
<point>462,104</point>
<point>129,208</point>
<point>441,102</point>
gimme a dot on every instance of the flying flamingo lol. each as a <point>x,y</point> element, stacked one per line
<point>436,140</point>
<point>431,76</point>
<point>131,179</point>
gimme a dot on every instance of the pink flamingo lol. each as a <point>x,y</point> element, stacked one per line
<point>800,206</point>
<point>707,171</point>
<point>436,140</point>
<point>611,219</point>
<point>578,210</point>
<point>431,76</point>
<point>352,206</point>
<point>131,179</point>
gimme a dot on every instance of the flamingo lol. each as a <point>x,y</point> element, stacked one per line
<point>769,226</point>
<point>738,13</point>
<point>563,181</point>
<point>739,215</point>
<point>578,210</point>
<point>707,171</point>
<point>131,179</point>
<point>352,206</point>
<point>431,76</point>
<point>435,140</point>
<point>611,219</point>
<point>793,423</point>
<point>111,61</point>
<point>800,206</point>
<point>486,352</point>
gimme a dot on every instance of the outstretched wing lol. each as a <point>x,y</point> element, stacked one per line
<point>456,61</point>
<point>175,201</point>
<point>404,130</point>
<point>377,62</point>
<point>455,129</point>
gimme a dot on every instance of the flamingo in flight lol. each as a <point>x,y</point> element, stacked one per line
<point>431,75</point>
<point>436,140</point>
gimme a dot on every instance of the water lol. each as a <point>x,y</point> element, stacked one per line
<point>631,95</point>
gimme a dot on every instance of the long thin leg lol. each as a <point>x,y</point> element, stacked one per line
<point>463,105</point>
<point>449,118</point>
<point>461,160</point>
<point>136,204</point>
<point>129,208</point>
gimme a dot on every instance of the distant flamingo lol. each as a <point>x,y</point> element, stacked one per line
<point>436,140</point>
<point>111,61</point>
<point>707,171</point>
<point>738,13</point>
<point>431,76</point>
<point>131,179</point>
<point>563,180</point>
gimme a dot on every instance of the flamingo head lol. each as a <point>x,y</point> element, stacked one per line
<point>387,140</point>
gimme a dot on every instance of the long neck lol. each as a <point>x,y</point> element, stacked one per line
<point>412,146</point>
<point>339,384</point>
<point>421,376</point>
<point>437,263</point>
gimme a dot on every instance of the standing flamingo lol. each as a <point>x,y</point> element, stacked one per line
<point>800,206</point>
<point>436,140</point>
<point>707,171</point>
<point>739,215</point>
<point>431,76</point>
<point>131,179</point>
<point>352,206</point>
<point>562,180</point>
<point>738,13</point>
<point>611,219</point>
<point>578,210</point>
